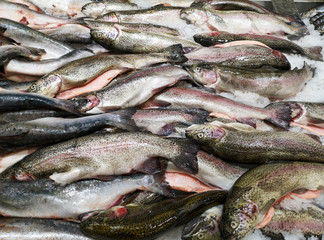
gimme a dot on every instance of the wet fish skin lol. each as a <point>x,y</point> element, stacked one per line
<point>127,91</point>
<point>151,220</point>
<point>173,3</point>
<point>236,142</point>
<point>142,197</point>
<point>267,83</point>
<point>84,70</point>
<point>45,199</point>
<point>317,17</point>
<point>319,21</point>
<point>313,11</point>
<point>209,39</point>
<point>104,154</point>
<point>29,37</point>
<point>14,86</point>
<point>39,229</point>
<point>9,52</point>
<point>257,190</point>
<point>95,9</point>
<point>122,39</point>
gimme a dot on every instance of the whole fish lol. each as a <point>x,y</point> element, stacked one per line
<point>104,154</point>
<point>162,121</point>
<point>239,21</point>
<point>43,67</point>
<point>49,130</point>
<point>147,221</point>
<point>267,83</point>
<point>82,71</point>
<point>39,229</point>
<point>45,199</point>
<point>210,39</point>
<point>95,9</point>
<point>29,37</point>
<point>254,193</point>
<point>15,101</point>
<point>217,105</point>
<point>128,91</point>
<point>123,39</point>
<point>236,142</point>
<point>244,56</point>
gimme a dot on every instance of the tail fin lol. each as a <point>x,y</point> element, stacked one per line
<point>187,157</point>
<point>314,53</point>
<point>123,119</point>
<point>280,115</point>
<point>175,53</point>
<point>159,185</point>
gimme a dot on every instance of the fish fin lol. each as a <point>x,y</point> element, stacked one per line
<point>267,218</point>
<point>263,212</point>
<point>151,166</point>
<point>175,53</point>
<point>154,104</point>
<point>167,129</point>
<point>75,173</point>
<point>314,53</point>
<point>188,159</point>
<point>248,121</point>
<point>124,119</point>
<point>280,115</point>
<point>314,137</point>
<point>160,185</point>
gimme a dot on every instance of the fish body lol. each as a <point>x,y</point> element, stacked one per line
<point>39,229</point>
<point>122,39</point>
<point>235,142</point>
<point>45,199</point>
<point>128,91</point>
<point>104,154</point>
<point>29,37</point>
<point>210,39</point>
<point>82,71</point>
<point>217,105</point>
<point>241,22</point>
<point>95,9</point>
<point>8,52</point>
<point>257,190</point>
<point>174,3</point>
<point>244,56</point>
<point>146,222</point>
<point>267,83</point>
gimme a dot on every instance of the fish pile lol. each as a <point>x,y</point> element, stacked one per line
<point>117,120</point>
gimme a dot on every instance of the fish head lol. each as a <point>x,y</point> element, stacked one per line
<point>85,103</point>
<point>47,86</point>
<point>105,34</point>
<point>203,74</point>
<point>196,16</point>
<point>205,132</point>
<point>110,17</point>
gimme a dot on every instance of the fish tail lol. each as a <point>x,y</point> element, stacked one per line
<point>280,115</point>
<point>175,53</point>
<point>123,119</point>
<point>314,53</point>
<point>160,185</point>
<point>187,157</point>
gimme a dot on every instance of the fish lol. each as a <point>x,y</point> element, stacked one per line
<point>123,39</point>
<point>267,83</point>
<point>49,130</point>
<point>316,18</point>
<point>128,91</point>
<point>82,71</point>
<point>133,222</point>
<point>14,86</point>
<point>307,115</point>
<point>174,3</point>
<point>142,197</point>
<point>46,199</point>
<point>40,68</point>
<point>320,28</point>
<point>212,38</point>
<point>311,12</point>
<point>240,55</point>
<point>27,4</point>
<point>40,229</point>
<point>254,193</point>
<point>241,22</point>
<point>162,121</point>
<point>241,143</point>
<point>205,226</point>
<point>182,97</point>
<point>95,9</point>
<point>29,37</point>
<point>104,154</point>
<point>15,101</point>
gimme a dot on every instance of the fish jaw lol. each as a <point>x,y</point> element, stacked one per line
<point>86,103</point>
<point>49,86</point>
<point>205,132</point>
<point>203,75</point>
<point>194,16</point>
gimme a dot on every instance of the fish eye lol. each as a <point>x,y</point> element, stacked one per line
<point>201,235</point>
<point>32,88</point>
<point>234,224</point>
<point>200,135</point>
<point>197,69</point>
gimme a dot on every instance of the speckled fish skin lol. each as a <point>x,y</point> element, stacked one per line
<point>102,154</point>
<point>128,91</point>
<point>244,56</point>
<point>255,191</point>
<point>45,199</point>
<point>49,130</point>
<point>81,71</point>
<point>29,37</point>
<point>147,222</point>
<point>210,39</point>
<point>122,39</point>
<point>235,142</point>
<point>39,229</point>
<point>177,97</point>
<point>95,9</point>
<point>267,83</point>
<point>239,21</point>
<point>161,121</point>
